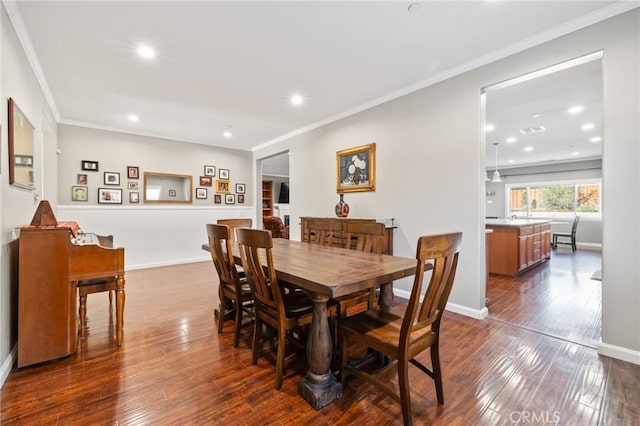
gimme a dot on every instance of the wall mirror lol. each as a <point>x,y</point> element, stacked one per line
<point>167,188</point>
<point>20,148</point>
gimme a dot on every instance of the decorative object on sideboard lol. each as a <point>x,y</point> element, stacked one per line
<point>342,208</point>
<point>356,169</point>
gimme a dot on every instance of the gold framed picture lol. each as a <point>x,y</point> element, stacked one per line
<point>356,169</point>
<point>223,186</point>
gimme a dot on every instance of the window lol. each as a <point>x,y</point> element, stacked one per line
<point>550,200</point>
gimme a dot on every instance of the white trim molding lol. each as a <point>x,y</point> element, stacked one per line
<point>7,365</point>
<point>618,352</point>
<point>451,307</point>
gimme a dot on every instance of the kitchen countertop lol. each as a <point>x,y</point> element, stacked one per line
<point>515,222</point>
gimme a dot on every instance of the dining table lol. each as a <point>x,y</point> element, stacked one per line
<point>325,272</point>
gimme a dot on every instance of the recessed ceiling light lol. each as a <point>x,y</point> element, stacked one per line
<point>595,139</point>
<point>588,126</point>
<point>227,134</point>
<point>536,115</point>
<point>511,139</point>
<point>533,130</point>
<point>528,148</point>
<point>512,161</point>
<point>575,153</point>
<point>145,51</point>
<point>489,127</point>
<point>297,99</point>
<point>134,118</point>
<point>576,109</point>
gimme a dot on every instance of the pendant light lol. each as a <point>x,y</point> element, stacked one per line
<point>496,175</point>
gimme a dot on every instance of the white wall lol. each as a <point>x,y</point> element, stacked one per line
<point>430,168</point>
<point>18,205</point>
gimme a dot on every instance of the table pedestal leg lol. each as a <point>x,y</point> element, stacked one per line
<point>319,386</point>
<point>386,295</point>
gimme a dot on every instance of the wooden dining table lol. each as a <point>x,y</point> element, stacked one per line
<point>327,272</point>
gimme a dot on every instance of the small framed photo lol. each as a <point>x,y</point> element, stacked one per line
<point>240,198</point>
<point>230,199</point>
<point>201,193</point>
<point>223,173</point>
<point>134,197</point>
<point>132,172</point>
<point>82,179</point>
<point>111,178</point>
<point>172,193</point>
<point>109,196</point>
<point>91,166</point>
<point>210,170</point>
<point>240,188</point>
<point>217,198</point>
<point>79,193</point>
<point>206,181</point>
<point>223,186</point>
<point>133,185</point>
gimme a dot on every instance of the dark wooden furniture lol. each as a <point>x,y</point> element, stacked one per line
<point>517,244</point>
<point>275,225</point>
<point>51,264</point>
<point>233,224</point>
<point>403,336</point>
<point>571,236</point>
<point>285,312</point>
<point>267,198</point>
<point>232,288</point>
<point>341,223</point>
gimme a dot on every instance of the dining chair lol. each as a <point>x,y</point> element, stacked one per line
<point>284,312</point>
<point>324,232</point>
<point>235,223</point>
<point>402,337</point>
<point>571,236</point>
<point>232,287</point>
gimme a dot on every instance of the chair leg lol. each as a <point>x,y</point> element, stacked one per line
<point>282,342</point>
<point>437,372</point>
<point>257,332</point>
<point>83,316</point>
<point>236,338</point>
<point>344,356</point>
<point>573,244</point>
<point>223,311</point>
<point>405,393</point>
<point>110,297</point>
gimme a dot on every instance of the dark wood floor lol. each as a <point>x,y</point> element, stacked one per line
<point>175,369</point>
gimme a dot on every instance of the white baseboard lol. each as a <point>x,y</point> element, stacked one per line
<point>7,365</point>
<point>590,246</point>
<point>171,263</point>
<point>618,352</point>
<point>452,307</point>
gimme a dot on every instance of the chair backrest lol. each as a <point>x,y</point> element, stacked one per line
<point>220,248</point>
<point>443,250</point>
<point>235,223</point>
<point>365,236</point>
<point>574,226</point>
<point>254,245</point>
<point>321,231</point>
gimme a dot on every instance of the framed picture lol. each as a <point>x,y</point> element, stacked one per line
<point>223,173</point>
<point>111,178</point>
<point>209,170</point>
<point>132,172</point>
<point>217,198</point>
<point>205,181</point>
<point>109,196</point>
<point>240,198</point>
<point>134,197</point>
<point>201,193</point>
<point>172,193</point>
<point>356,169</point>
<point>223,186</point>
<point>133,185</point>
<point>240,188</point>
<point>82,179</point>
<point>79,193</point>
<point>230,199</point>
<point>91,166</point>
<point>23,160</point>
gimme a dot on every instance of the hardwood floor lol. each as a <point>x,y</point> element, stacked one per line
<point>174,368</point>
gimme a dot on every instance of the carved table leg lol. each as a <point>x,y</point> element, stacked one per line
<point>319,386</point>
<point>119,309</point>
<point>386,295</point>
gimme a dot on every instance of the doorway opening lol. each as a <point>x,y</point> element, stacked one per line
<point>275,187</point>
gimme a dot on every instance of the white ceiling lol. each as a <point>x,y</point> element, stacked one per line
<point>222,64</point>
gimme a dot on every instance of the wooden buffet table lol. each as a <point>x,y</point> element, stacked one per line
<point>517,244</point>
<point>327,272</point>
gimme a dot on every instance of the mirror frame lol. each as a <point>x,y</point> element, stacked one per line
<point>150,177</point>
<point>14,112</point>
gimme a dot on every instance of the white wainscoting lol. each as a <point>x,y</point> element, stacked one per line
<point>154,235</point>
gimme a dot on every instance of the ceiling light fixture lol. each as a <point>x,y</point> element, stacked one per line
<point>595,139</point>
<point>575,153</point>
<point>227,134</point>
<point>512,161</point>
<point>134,118</point>
<point>511,139</point>
<point>414,7</point>
<point>588,126</point>
<point>489,127</point>
<point>536,115</point>
<point>297,99</point>
<point>496,175</point>
<point>528,148</point>
<point>145,51</point>
<point>576,109</point>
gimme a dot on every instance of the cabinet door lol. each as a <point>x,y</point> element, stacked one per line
<point>545,246</point>
<point>522,249</point>
<point>530,250</point>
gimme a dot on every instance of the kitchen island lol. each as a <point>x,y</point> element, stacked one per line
<point>517,244</point>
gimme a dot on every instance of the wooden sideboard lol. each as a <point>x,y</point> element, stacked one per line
<point>517,245</point>
<point>338,236</point>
